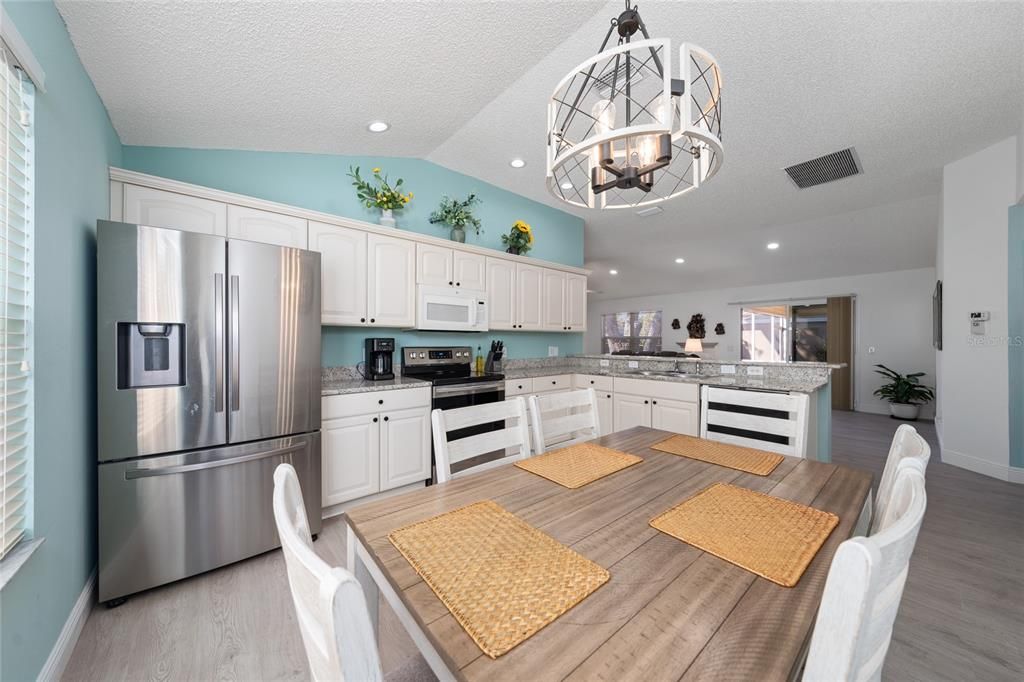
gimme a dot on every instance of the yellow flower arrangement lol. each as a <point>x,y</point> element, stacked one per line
<point>380,194</point>
<point>520,237</point>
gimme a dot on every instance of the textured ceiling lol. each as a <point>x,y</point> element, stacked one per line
<point>911,85</point>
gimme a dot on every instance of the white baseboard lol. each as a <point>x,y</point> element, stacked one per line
<point>59,656</point>
<point>982,466</point>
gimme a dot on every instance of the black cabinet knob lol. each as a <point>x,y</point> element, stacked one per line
<point>385,418</point>
<point>655,402</point>
<point>609,395</point>
<point>362,319</point>
<point>591,381</point>
<point>645,402</point>
<point>372,320</point>
<point>450,283</point>
<point>381,401</point>
<point>374,420</point>
<point>553,383</point>
<point>458,284</point>
<point>520,387</point>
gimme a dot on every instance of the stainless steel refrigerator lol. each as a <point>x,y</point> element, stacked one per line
<point>208,362</point>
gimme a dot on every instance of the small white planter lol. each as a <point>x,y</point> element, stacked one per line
<point>906,412</point>
<point>387,218</point>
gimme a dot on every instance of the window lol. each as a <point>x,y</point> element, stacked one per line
<point>638,333</point>
<point>16,212</point>
<point>781,333</point>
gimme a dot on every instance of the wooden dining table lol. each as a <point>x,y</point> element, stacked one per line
<point>669,611</point>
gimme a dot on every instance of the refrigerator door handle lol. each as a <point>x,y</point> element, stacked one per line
<point>235,367</point>
<point>218,325</point>
<point>185,468</point>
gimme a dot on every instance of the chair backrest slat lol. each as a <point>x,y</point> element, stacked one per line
<point>776,422</point>
<point>864,587</point>
<point>513,438</point>
<point>907,443</point>
<point>564,418</point>
<point>329,602</point>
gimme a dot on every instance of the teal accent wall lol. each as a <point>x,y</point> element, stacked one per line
<point>319,182</point>
<point>75,143</point>
<point>1015,301</point>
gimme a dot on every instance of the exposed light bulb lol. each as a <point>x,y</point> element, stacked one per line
<point>603,112</point>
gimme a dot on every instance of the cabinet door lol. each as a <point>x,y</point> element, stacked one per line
<point>392,281</point>
<point>501,293</point>
<point>676,416</point>
<point>157,208</point>
<point>630,411</point>
<point>553,309</point>
<point>470,271</point>
<point>342,272</point>
<point>529,295</point>
<point>434,265</point>
<point>266,227</point>
<point>351,458</point>
<point>605,413</point>
<point>405,447</point>
<point>575,303</point>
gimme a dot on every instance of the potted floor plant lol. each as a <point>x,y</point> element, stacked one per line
<point>380,194</point>
<point>458,215</point>
<point>904,392</point>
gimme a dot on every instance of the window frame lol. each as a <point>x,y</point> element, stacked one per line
<point>637,344</point>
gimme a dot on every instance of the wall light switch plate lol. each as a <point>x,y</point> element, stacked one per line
<point>552,351</point>
<point>755,371</point>
<point>727,369</point>
<point>633,364</point>
<point>606,363</point>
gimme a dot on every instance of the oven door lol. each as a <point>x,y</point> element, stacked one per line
<point>443,309</point>
<point>465,395</point>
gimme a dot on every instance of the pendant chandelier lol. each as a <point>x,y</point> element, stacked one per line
<point>622,132</point>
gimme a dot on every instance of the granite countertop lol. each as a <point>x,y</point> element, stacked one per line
<point>680,358</point>
<point>733,381</point>
<point>347,385</point>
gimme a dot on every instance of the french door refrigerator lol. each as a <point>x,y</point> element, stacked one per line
<point>208,362</point>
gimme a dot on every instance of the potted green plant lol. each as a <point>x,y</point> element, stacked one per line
<point>519,239</point>
<point>458,215</point>
<point>380,195</point>
<point>904,393</point>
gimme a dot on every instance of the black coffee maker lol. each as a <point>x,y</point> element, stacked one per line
<point>378,359</point>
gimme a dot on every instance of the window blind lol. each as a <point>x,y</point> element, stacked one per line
<point>16,177</point>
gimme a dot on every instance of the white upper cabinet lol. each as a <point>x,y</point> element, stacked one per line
<point>157,208</point>
<point>470,270</point>
<point>342,272</point>
<point>434,265</point>
<point>392,281</point>
<point>554,301</point>
<point>575,309</point>
<point>501,293</point>
<point>529,297</point>
<point>266,227</point>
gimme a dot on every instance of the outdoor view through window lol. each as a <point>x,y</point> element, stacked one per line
<point>638,333</point>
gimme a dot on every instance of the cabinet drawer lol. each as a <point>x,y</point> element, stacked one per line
<point>668,390</point>
<point>335,406</point>
<point>556,382</point>
<point>597,382</point>
<point>514,387</point>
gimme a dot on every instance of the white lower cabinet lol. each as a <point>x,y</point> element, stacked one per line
<point>631,410</point>
<point>605,413</point>
<point>676,416</point>
<point>664,405</point>
<point>373,442</point>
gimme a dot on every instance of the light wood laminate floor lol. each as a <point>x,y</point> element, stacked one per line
<point>962,615</point>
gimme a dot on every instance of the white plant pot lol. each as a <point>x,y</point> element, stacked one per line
<point>387,218</point>
<point>906,412</point>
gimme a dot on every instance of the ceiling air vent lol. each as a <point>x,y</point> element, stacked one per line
<point>834,166</point>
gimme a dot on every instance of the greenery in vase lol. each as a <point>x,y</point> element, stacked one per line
<point>520,238</point>
<point>380,194</point>
<point>457,214</point>
<point>903,389</point>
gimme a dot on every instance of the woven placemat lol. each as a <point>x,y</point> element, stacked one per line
<point>578,465</point>
<point>733,456</point>
<point>774,538</point>
<point>500,577</point>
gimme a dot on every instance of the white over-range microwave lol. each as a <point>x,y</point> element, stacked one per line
<point>452,310</point>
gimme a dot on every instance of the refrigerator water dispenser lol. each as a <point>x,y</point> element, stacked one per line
<point>150,355</point>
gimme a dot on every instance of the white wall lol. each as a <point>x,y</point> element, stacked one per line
<point>892,313</point>
<point>1020,162</point>
<point>976,194</point>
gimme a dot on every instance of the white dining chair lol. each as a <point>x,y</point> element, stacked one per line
<point>513,440</point>
<point>863,590</point>
<point>907,443</point>
<point>329,603</point>
<point>776,422</point>
<point>564,418</point>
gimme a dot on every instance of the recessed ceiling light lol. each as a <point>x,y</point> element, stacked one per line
<point>377,126</point>
<point>771,246</point>
<point>613,272</point>
<point>517,163</point>
<point>680,260</point>
<point>566,185</point>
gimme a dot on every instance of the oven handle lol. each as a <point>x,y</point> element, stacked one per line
<point>468,389</point>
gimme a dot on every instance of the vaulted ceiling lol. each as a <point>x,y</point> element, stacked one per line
<point>910,85</point>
